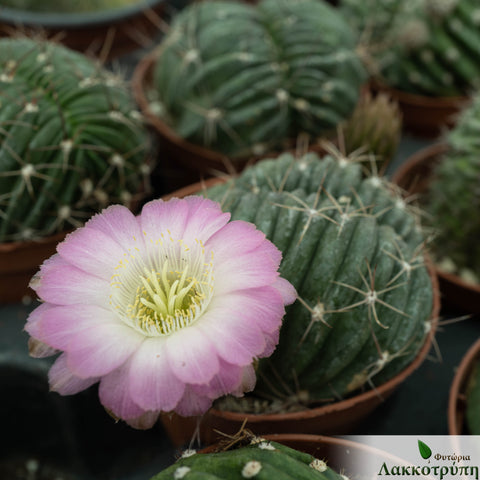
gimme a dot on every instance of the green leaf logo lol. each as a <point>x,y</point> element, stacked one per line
<point>425,451</point>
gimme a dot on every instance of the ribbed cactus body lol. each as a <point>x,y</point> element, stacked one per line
<point>71,140</point>
<point>454,195</point>
<point>353,252</point>
<point>430,47</point>
<point>240,78</point>
<point>262,460</point>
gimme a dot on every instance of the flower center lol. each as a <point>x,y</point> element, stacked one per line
<point>165,289</point>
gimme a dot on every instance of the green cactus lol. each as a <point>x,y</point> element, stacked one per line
<point>429,47</point>
<point>353,251</point>
<point>454,198</point>
<point>374,129</point>
<point>242,79</point>
<point>472,411</point>
<point>261,459</point>
<point>71,140</point>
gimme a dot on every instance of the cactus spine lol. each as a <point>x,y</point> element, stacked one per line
<point>354,253</point>
<point>71,140</point>
<point>242,79</point>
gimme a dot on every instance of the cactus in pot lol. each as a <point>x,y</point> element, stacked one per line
<point>254,457</point>
<point>453,199</point>
<point>353,251</point>
<point>428,47</point>
<point>473,400</point>
<point>242,79</point>
<point>71,139</point>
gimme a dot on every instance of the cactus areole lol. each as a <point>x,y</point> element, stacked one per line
<point>353,251</point>
<point>71,139</point>
<point>241,79</point>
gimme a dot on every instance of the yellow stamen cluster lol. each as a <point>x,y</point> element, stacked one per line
<point>164,289</point>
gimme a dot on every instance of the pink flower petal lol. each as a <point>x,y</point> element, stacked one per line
<point>97,351</point>
<point>238,339</point>
<point>114,393</point>
<point>63,381</point>
<point>60,283</point>
<point>286,289</point>
<point>153,386</point>
<point>145,421</point>
<point>193,404</point>
<point>228,379</point>
<point>252,270</point>
<point>120,224</point>
<point>38,349</point>
<point>248,382</point>
<point>192,356</point>
<point>205,219</point>
<point>33,325</point>
<point>189,218</point>
<point>91,251</point>
<point>238,238</point>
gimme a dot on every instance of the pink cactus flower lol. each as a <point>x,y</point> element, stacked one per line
<point>167,310</point>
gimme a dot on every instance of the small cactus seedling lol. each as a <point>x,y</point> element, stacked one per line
<point>430,47</point>
<point>353,251</point>
<point>71,140</point>
<point>374,129</point>
<point>259,459</point>
<point>242,79</point>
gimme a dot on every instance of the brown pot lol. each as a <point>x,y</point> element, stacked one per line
<point>414,177</point>
<point>457,397</point>
<point>108,33</point>
<point>333,419</point>
<point>19,261</point>
<point>422,115</point>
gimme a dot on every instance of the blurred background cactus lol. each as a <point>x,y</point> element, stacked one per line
<point>353,251</point>
<point>472,410</point>
<point>72,141</point>
<point>454,198</point>
<point>426,47</point>
<point>374,129</point>
<point>242,79</point>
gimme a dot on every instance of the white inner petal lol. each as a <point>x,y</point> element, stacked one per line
<point>164,288</point>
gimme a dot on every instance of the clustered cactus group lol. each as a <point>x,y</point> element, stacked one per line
<point>427,47</point>
<point>71,139</point>
<point>353,251</point>
<point>260,459</point>
<point>454,198</point>
<point>240,79</point>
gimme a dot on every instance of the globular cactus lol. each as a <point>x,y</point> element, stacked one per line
<point>453,198</point>
<point>261,460</point>
<point>353,251</point>
<point>374,129</point>
<point>430,47</point>
<point>242,79</point>
<point>71,139</point>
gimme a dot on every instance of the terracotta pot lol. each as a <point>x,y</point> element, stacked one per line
<point>457,397</point>
<point>414,177</point>
<point>332,419</point>
<point>108,33</point>
<point>424,116</point>
<point>19,261</point>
